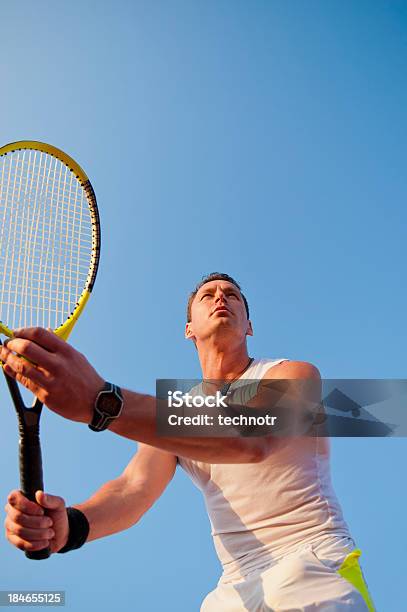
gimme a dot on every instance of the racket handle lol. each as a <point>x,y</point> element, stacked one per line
<point>45,553</point>
<point>31,478</point>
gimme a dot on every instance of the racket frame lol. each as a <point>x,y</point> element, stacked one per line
<point>31,473</point>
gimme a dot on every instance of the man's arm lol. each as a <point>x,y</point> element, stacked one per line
<point>117,505</point>
<point>120,503</point>
<point>138,422</point>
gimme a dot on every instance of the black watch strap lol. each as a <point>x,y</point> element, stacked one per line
<point>108,407</point>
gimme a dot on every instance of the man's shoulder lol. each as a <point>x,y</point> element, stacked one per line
<point>293,369</point>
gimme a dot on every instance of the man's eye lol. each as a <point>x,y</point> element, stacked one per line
<point>205,295</point>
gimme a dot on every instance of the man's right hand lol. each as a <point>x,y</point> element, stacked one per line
<point>33,526</point>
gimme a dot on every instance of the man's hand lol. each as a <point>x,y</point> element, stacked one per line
<point>29,529</point>
<point>60,376</point>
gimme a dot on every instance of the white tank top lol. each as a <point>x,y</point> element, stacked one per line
<point>261,511</point>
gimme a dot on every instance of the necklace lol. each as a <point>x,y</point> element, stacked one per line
<point>226,387</point>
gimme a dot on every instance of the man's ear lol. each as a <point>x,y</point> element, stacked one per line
<point>249,331</point>
<point>189,334</point>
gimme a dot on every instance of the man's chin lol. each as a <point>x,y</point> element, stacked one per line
<point>222,318</point>
<point>223,325</point>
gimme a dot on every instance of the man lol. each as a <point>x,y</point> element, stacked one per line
<point>277,525</point>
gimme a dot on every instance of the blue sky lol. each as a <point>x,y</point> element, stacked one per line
<point>263,139</point>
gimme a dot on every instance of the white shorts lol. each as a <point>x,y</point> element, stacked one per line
<point>302,581</point>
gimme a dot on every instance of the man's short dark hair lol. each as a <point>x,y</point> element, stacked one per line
<point>207,279</point>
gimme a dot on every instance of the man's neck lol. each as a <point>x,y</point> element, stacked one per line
<point>223,364</point>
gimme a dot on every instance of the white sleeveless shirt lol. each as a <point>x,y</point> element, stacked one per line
<point>261,511</point>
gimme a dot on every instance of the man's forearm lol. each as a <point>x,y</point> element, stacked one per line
<point>138,422</point>
<point>114,508</point>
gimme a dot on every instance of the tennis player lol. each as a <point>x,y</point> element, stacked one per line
<point>277,525</point>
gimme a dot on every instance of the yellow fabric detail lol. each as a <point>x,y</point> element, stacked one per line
<point>351,571</point>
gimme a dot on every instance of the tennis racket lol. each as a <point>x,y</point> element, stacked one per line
<point>49,255</point>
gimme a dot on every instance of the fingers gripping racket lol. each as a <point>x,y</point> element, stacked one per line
<point>49,255</point>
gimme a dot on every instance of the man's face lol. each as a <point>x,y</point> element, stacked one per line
<point>218,309</point>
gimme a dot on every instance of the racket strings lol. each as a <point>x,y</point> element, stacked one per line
<point>45,240</point>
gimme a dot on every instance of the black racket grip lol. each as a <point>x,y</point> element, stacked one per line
<point>31,479</point>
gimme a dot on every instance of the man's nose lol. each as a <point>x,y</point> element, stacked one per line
<point>220,296</point>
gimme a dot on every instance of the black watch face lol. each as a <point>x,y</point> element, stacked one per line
<point>109,404</point>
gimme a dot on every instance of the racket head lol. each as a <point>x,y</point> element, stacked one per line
<point>50,238</point>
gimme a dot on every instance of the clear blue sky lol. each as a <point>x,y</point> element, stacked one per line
<point>266,139</point>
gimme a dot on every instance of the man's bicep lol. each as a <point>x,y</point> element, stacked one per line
<point>297,378</point>
<point>151,469</point>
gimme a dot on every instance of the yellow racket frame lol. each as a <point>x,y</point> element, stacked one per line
<point>64,330</point>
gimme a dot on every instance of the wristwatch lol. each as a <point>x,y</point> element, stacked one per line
<point>108,407</point>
